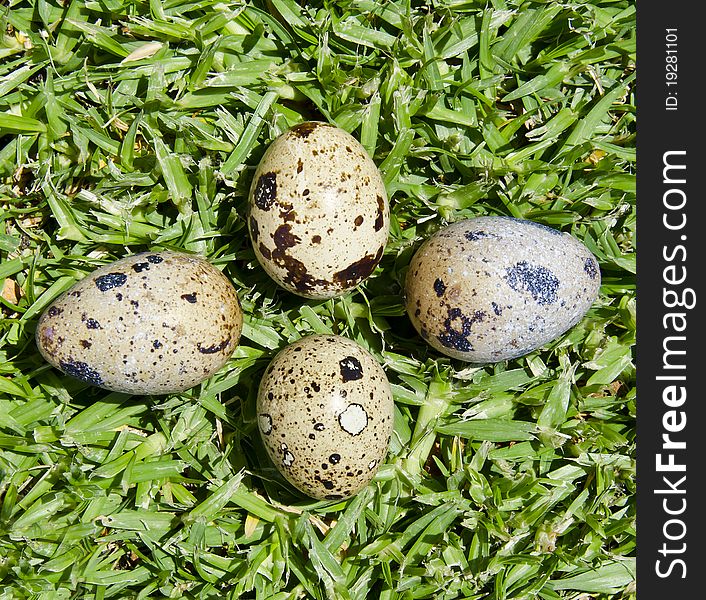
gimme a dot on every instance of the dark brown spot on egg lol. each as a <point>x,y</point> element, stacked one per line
<point>265,251</point>
<point>214,348</point>
<point>300,166</point>
<point>54,311</point>
<point>288,213</point>
<point>316,239</point>
<point>380,219</point>
<point>358,220</point>
<point>265,191</point>
<point>297,273</point>
<point>190,298</point>
<point>304,130</point>
<point>284,238</point>
<point>359,270</point>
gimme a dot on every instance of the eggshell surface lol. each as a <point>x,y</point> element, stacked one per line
<point>325,414</point>
<point>318,211</point>
<point>493,288</point>
<point>151,323</point>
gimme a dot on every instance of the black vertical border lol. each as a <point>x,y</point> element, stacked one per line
<point>662,536</point>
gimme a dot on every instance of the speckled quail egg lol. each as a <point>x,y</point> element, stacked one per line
<point>492,288</point>
<point>318,211</point>
<point>151,323</point>
<point>325,414</point>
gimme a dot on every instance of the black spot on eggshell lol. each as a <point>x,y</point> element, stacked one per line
<point>214,348</point>
<point>154,259</point>
<point>474,236</point>
<point>457,328</point>
<point>54,311</point>
<point>266,191</point>
<point>439,287</point>
<point>110,281</point>
<point>81,370</point>
<point>496,308</point>
<point>590,267</point>
<point>351,369</point>
<point>190,298</point>
<point>539,281</point>
<point>334,459</point>
<point>92,324</point>
<point>265,251</point>
<point>140,266</point>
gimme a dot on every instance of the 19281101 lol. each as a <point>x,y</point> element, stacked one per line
<point>671,64</point>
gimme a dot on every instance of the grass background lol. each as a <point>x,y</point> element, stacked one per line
<point>127,125</point>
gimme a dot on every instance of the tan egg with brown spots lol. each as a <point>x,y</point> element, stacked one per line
<point>318,211</point>
<point>151,323</point>
<point>489,289</point>
<point>325,413</point>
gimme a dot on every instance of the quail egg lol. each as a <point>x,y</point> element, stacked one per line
<point>318,211</point>
<point>492,288</point>
<point>151,323</point>
<point>325,414</point>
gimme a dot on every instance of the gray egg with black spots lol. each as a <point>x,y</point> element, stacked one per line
<point>150,323</point>
<point>319,217</point>
<point>325,413</point>
<point>489,289</point>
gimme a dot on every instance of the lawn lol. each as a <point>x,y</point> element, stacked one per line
<point>129,125</point>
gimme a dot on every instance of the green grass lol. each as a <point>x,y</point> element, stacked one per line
<point>127,125</point>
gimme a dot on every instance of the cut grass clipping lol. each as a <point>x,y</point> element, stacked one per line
<point>127,125</point>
